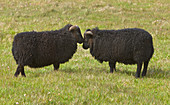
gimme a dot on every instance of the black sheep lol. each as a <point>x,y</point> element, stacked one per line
<point>39,49</point>
<point>128,46</point>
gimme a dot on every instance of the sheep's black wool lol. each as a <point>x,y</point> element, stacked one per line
<point>39,49</point>
<point>128,46</point>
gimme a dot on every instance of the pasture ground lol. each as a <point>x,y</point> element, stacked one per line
<point>83,80</point>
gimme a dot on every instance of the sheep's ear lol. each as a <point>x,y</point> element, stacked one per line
<point>73,28</point>
<point>89,33</point>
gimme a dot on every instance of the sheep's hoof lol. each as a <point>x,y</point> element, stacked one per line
<point>16,74</point>
<point>23,75</point>
<point>143,75</point>
<point>137,76</point>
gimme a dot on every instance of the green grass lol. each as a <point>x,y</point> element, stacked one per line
<point>83,80</point>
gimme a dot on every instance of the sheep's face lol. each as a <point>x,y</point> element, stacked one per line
<point>75,30</point>
<point>88,39</point>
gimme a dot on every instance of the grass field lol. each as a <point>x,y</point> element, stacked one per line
<point>83,80</point>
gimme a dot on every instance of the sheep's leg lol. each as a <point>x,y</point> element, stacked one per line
<point>145,68</point>
<point>20,68</point>
<point>139,66</point>
<point>22,72</point>
<point>112,66</point>
<point>56,66</point>
<point>17,71</point>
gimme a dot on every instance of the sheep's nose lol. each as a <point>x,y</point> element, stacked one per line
<point>85,46</point>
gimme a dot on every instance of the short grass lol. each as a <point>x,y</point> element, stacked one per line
<point>83,80</point>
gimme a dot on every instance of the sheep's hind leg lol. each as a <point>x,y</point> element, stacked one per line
<point>20,68</point>
<point>56,66</point>
<point>22,72</point>
<point>145,68</point>
<point>139,66</point>
<point>112,66</point>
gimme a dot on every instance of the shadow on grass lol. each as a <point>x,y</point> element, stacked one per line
<point>38,73</point>
<point>69,70</point>
<point>96,71</point>
<point>151,73</point>
<point>157,73</point>
<point>42,73</point>
<point>84,71</point>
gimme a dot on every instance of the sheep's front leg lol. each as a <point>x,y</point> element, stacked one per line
<point>20,68</point>
<point>139,66</point>
<point>112,66</point>
<point>56,66</point>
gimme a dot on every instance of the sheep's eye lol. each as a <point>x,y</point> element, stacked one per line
<point>88,37</point>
